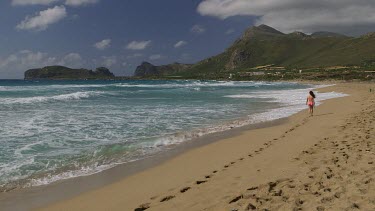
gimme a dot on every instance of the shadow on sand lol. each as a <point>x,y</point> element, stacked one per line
<point>323,114</point>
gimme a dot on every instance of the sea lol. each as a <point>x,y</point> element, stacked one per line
<point>55,130</point>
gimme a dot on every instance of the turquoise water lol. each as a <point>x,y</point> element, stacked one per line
<point>52,130</point>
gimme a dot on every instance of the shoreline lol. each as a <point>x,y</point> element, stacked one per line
<point>89,185</point>
<point>36,196</point>
<point>221,129</point>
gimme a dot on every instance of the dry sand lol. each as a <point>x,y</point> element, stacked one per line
<point>324,162</point>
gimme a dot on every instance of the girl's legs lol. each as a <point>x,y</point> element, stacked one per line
<point>311,110</point>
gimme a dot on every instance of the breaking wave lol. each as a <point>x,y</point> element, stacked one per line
<point>41,99</point>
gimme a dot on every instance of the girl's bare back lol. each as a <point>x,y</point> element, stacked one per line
<point>310,100</point>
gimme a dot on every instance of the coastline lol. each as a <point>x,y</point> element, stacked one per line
<point>34,197</point>
<point>119,191</point>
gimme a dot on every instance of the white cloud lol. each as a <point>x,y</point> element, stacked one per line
<point>290,15</point>
<point>133,56</point>
<point>156,57</point>
<point>109,61</point>
<point>43,19</point>
<point>32,2</point>
<point>185,57</point>
<point>138,45</point>
<point>25,51</point>
<point>14,65</point>
<point>180,44</point>
<point>103,44</point>
<point>72,60</point>
<point>74,17</point>
<point>76,3</point>
<point>230,31</point>
<point>198,29</point>
<point>26,58</point>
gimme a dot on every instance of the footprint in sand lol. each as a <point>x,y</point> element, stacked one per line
<point>142,207</point>
<point>235,199</point>
<point>183,190</point>
<point>167,198</point>
<point>200,182</point>
<point>250,206</point>
<point>252,188</point>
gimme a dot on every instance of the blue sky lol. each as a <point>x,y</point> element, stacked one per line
<point>120,34</point>
<point>113,25</point>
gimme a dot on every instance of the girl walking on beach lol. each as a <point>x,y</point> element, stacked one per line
<point>311,102</point>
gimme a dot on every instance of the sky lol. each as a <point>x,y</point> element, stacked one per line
<point>120,34</point>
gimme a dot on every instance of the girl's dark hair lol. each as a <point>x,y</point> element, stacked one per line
<point>312,94</point>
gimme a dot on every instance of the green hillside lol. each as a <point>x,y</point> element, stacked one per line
<point>147,69</point>
<point>263,53</point>
<point>263,45</point>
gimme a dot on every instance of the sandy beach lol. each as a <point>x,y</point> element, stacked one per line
<point>324,162</point>
<point>201,105</point>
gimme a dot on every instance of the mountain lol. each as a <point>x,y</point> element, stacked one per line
<point>61,72</point>
<point>263,45</point>
<point>147,69</point>
<point>326,34</point>
<point>262,31</point>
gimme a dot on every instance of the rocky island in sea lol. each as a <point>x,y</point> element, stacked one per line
<point>61,72</point>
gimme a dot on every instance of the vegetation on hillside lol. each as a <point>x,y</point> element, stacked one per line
<point>295,55</point>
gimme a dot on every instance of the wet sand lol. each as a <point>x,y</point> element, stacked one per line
<point>324,162</point>
<point>39,196</point>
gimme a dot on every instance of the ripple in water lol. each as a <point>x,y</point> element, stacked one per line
<point>54,130</point>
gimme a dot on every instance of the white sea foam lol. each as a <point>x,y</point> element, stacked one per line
<point>49,87</point>
<point>67,132</point>
<point>84,171</point>
<point>175,84</point>
<point>292,102</point>
<point>39,99</point>
<point>292,107</point>
<point>198,84</point>
<point>79,86</point>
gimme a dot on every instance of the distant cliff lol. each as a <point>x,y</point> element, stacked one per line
<point>61,72</point>
<point>148,70</point>
<point>263,46</point>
